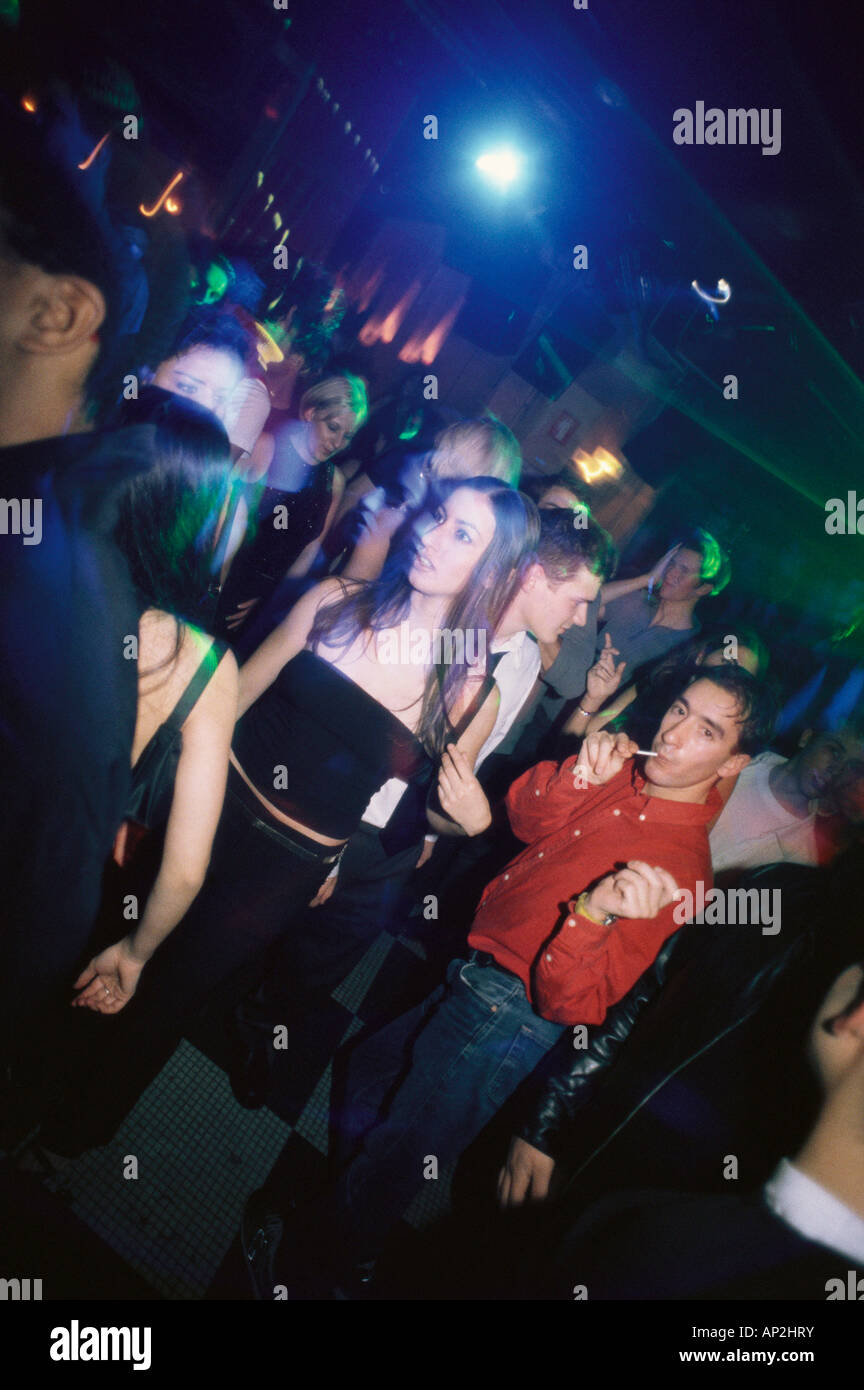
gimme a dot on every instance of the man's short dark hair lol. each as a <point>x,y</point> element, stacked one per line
<point>715,568</point>
<point>536,485</point>
<point>757,704</point>
<point>51,219</point>
<point>569,540</point>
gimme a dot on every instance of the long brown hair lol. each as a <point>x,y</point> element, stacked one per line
<point>479,607</point>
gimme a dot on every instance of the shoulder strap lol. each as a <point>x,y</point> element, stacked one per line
<point>197,685</point>
<point>480,695</point>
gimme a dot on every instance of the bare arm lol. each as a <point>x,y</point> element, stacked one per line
<point>199,791</point>
<point>602,681</point>
<point>468,798</point>
<point>373,544</point>
<point>305,559</point>
<point>358,487</point>
<point>618,588</point>
<point>111,978</point>
<point>284,642</point>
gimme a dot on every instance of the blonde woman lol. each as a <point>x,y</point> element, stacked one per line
<point>294,490</point>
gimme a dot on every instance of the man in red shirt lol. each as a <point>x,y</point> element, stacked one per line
<point>559,937</point>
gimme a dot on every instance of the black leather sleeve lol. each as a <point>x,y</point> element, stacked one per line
<point>572,1074</point>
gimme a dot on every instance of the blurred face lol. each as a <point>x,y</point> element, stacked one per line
<point>697,740</point>
<point>329,431</point>
<point>551,608</point>
<point>559,497</point>
<point>682,578</point>
<point>203,374</point>
<point>821,761</point>
<point>746,658</point>
<point>451,544</point>
<point>832,1053</point>
<point>847,794</point>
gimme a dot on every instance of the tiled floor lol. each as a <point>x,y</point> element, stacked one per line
<point>167,1194</point>
<point>193,1156</point>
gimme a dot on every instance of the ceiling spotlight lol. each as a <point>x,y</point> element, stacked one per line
<point>500,166</point>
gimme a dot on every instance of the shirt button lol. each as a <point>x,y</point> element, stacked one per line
<point>540,855</point>
<point>571,921</point>
<point>506,876</point>
<point>642,817</point>
<point>616,812</point>
<point>537,792</point>
<point>577,832</point>
<point>548,957</point>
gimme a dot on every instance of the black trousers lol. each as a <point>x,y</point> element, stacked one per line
<point>326,943</point>
<point>259,881</point>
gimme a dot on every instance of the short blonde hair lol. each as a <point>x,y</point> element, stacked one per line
<point>343,393</point>
<point>495,449</point>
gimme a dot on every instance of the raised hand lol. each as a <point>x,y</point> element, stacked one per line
<point>636,891</point>
<point>601,757</point>
<point>604,677</point>
<point>460,794</point>
<point>655,575</point>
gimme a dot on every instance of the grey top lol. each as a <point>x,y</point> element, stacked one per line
<point>628,622</point>
<point>566,675</point>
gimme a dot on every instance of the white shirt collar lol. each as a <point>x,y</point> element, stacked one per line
<point>516,643</point>
<point>815,1212</point>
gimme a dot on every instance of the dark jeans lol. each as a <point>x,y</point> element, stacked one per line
<point>259,879</point>
<point>447,1067</point>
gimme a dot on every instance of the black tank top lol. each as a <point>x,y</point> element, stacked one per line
<point>318,746</point>
<point>155,772</point>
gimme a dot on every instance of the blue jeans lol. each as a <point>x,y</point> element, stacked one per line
<point>478,1039</point>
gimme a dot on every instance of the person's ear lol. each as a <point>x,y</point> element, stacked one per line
<point>66,313</point>
<point>851,1025</point>
<point>733,765</point>
<point>533,574</point>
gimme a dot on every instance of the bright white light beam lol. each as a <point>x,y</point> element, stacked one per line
<point>500,166</point>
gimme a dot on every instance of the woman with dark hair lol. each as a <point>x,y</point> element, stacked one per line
<point>348,692</point>
<point>167,525</point>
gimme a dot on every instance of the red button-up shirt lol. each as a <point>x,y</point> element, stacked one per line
<point>574,973</point>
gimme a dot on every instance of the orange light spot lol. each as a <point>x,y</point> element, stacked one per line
<point>173,205</point>
<point>151,212</point>
<point>93,153</point>
<point>29,103</point>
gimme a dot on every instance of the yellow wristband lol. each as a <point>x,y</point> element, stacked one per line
<point>583,911</point>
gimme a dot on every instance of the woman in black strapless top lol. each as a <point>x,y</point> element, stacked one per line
<point>342,696</point>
